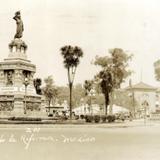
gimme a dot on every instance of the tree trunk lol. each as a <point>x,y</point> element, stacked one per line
<point>49,105</point>
<point>111,102</point>
<point>106,96</point>
<point>90,105</point>
<point>70,99</point>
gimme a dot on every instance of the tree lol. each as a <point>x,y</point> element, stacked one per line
<point>114,72</point>
<point>71,57</point>
<point>124,98</point>
<point>88,86</point>
<point>63,94</point>
<point>50,91</point>
<point>37,83</point>
<point>78,94</point>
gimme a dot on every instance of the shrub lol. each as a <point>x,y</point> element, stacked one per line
<point>103,118</point>
<point>63,117</point>
<point>89,118</point>
<point>82,116</point>
<point>24,119</point>
<point>76,117</point>
<point>120,116</point>
<point>111,118</point>
<point>11,118</point>
<point>50,115</point>
<point>97,118</point>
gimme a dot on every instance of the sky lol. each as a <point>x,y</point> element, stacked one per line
<point>94,25</point>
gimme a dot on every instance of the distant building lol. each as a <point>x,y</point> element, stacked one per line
<point>144,97</point>
<point>86,109</point>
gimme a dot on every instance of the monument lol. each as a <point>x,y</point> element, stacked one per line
<point>17,92</point>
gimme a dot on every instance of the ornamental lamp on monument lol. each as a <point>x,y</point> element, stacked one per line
<point>26,83</point>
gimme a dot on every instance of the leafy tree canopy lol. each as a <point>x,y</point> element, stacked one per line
<point>114,67</point>
<point>78,94</point>
<point>114,72</point>
<point>50,90</point>
<point>88,85</point>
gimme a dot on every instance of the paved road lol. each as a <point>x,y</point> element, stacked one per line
<point>70,142</point>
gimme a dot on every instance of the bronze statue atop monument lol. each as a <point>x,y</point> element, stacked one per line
<point>19,22</point>
<point>17,44</point>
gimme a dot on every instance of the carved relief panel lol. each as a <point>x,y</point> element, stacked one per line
<point>19,74</point>
<point>29,75</point>
<point>6,106</point>
<point>9,77</point>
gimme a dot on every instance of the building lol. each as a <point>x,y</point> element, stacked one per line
<point>144,98</point>
<point>88,110</point>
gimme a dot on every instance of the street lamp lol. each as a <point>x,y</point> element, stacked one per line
<point>26,83</point>
<point>145,106</point>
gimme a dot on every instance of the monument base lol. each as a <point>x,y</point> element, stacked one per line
<point>18,96</point>
<point>14,106</point>
<point>18,109</point>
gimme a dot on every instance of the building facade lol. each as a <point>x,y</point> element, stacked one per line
<point>144,97</point>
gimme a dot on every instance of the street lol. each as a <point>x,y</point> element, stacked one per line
<point>79,142</point>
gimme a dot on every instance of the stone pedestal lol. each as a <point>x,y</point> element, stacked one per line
<point>43,106</point>
<point>18,109</point>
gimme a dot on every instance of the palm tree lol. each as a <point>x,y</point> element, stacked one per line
<point>106,86</point>
<point>71,57</point>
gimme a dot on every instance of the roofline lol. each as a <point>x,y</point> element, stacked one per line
<point>136,88</point>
